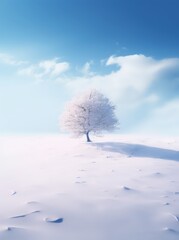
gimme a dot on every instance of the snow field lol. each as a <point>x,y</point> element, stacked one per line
<point>118,187</point>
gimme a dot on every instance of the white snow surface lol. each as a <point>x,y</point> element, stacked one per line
<point>118,187</point>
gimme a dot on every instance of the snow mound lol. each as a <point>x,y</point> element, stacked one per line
<point>53,220</point>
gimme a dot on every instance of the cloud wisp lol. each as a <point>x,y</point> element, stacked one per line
<point>86,69</point>
<point>47,69</point>
<point>10,60</point>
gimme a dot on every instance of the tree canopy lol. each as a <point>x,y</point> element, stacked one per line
<point>90,112</point>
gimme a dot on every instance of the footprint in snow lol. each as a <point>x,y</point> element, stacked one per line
<point>53,220</point>
<point>157,173</point>
<point>125,188</point>
<point>164,196</point>
<point>9,229</point>
<point>166,204</point>
<point>175,217</point>
<point>171,230</point>
<point>25,215</point>
<point>13,193</point>
<point>80,182</point>
<point>5,229</point>
<point>32,202</point>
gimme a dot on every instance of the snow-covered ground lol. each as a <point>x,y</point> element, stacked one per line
<point>118,187</point>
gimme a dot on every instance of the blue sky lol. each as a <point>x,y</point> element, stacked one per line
<point>51,50</point>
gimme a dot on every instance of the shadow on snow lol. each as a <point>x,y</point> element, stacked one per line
<point>138,150</point>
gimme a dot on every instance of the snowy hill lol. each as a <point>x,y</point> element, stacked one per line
<point>118,187</point>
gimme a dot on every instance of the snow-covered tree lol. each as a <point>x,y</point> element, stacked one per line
<point>90,112</point>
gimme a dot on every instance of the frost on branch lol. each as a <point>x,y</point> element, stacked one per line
<point>90,112</point>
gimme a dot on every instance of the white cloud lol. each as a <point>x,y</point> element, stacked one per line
<point>10,60</point>
<point>131,80</point>
<point>45,69</point>
<point>28,71</point>
<point>86,69</point>
<point>139,71</point>
<point>53,67</point>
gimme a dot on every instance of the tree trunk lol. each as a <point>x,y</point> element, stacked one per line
<point>87,137</point>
